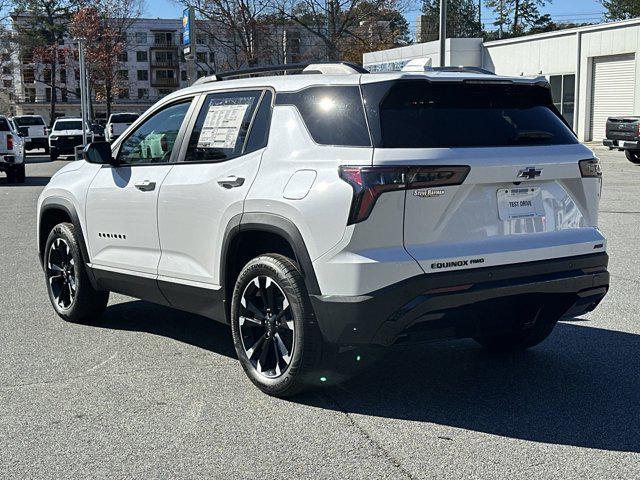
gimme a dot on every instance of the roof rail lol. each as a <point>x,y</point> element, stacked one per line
<point>316,67</point>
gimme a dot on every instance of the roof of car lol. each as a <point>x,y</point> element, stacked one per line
<point>292,83</point>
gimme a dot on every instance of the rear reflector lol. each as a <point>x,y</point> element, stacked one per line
<point>369,183</point>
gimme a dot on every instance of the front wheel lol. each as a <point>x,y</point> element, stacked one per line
<point>633,156</point>
<point>70,290</point>
<point>274,330</point>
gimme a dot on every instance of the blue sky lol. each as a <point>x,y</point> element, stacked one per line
<point>561,10</point>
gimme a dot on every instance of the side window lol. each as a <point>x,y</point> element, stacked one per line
<point>152,142</point>
<point>333,115</point>
<point>222,125</point>
<point>259,134</point>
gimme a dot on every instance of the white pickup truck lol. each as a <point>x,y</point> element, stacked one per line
<point>117,124</point>
<point>34,131</point>
<point>11,152</point>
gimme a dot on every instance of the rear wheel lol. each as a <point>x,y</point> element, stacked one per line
<point>517,340</point>
<point>70,291</point>
<point>633,155</point>
<point>11,174</point>
<point>274,329</point>
<point>53,155</point>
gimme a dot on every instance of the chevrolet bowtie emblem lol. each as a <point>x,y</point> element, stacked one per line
<point>529,173</point>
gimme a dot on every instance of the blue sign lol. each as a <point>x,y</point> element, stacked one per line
<point>187,16</point>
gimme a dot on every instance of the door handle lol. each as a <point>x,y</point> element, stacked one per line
<point>231,181</point>
<point>146,186</point>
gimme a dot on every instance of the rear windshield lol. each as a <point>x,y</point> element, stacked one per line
<point>4,125</point>
<point>419,114</point>
<point>124,117</point>
<point>28,121</point>
<point>68,125</point>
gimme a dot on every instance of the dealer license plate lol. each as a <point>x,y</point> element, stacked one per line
<point>519,203</point>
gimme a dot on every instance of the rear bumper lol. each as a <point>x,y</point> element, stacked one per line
<point>7,159</point>
<point>621,144</point>
<point>465,303</point>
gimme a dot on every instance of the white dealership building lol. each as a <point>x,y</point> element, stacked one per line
<point>593,70</point>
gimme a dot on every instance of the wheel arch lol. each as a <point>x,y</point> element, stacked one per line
<point>55,210</point>
<point>250,234</point>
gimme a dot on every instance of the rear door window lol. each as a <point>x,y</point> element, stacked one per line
<point>420,114</point>
<point>333,115</point>
<point>221,129</point>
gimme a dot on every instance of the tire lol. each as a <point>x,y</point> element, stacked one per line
<point>19,173</point>
<point>11,174</point>
<point>64,267</point>
<point>633,156</point>
<point>53,155</point>
<point>47,149</point>
<point>518,340</point>
<point>277,340</point>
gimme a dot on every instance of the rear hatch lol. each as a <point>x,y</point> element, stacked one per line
<point>623,128</point>
<point>493,173</point>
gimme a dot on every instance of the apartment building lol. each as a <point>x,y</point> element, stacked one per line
<point>151,67</point>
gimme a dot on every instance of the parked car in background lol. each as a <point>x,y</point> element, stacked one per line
<point>11,152</point>
<point>623,133</point>
<point>66,134</point>
<point>117,124</point>
<point>34,131</point>
<point>98,132</point>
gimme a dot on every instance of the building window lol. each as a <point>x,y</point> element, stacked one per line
<point>123,93</point>
<point>30,94</point>
<point>46,75</point>
<point>141,56</point>
<point>164,91</point>
<point>123,57</point>
<point>47,94</point>
<point>163,38</point>
<point>141,38</point>
<point>63,76</point>
<point>6,70</point>
<point>201,57</point>
<point>123,74</point>
<point>183,75</point>
<point>143,75</point>
<point>563,89</point>
<point>29,75</point>
<point>64,95</point>
<point>143,94</point>
<point>6,83</point>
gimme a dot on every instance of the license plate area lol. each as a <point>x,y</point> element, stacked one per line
<point>522,202</point>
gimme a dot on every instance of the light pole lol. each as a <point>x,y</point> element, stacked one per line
<point>443,31</point>
<point>84,90</point>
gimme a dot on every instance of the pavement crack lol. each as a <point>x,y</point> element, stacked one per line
<point>619,211</point>
<point>376,445</point>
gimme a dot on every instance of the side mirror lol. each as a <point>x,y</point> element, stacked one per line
<point>99,152</point>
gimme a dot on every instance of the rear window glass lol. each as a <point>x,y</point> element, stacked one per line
<point>124,118</point>
<point>418,114</point>
<point>333,115</point>
<point>68,125</point>
<point>4,125</point>
<point>28,121</point>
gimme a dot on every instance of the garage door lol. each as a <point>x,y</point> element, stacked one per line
<point>613,90</point>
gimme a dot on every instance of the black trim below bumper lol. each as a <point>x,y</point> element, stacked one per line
<point>466,303</point>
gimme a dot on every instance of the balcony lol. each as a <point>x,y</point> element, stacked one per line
<point>164,43</point>
<point>164,82</point>
<point>165,63</point>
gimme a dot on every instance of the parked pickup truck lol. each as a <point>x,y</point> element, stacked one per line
<point>11,152</point>
<point>623,133</point>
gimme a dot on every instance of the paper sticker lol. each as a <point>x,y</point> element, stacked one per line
<point>223,123</point>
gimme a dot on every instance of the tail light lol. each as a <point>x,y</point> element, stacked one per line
<point>590,168</point>
<point>111,129</point>
<point>369,183</point>
<point>46,130</point>
<point>9,142</point>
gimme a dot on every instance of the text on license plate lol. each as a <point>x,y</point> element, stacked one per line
<point>519,203</point>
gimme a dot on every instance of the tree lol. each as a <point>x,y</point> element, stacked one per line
<point>463,19</point>
<point>516,17</point>
<point>621,9</point>
<point>104,28</point>
<point>41,28</point>
<point>337,24</point>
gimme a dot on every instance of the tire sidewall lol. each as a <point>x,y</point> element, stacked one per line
<point>268,266</point>
<point>65,231</point>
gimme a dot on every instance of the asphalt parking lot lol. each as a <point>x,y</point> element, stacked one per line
<point>150,392</point>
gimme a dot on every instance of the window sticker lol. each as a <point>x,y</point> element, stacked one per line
<point>223,122</point>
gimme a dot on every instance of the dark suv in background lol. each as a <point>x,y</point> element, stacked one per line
<point>623,133</point>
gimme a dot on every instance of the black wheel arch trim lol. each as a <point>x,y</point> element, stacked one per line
<point>62,204</point>
<point>279,225</point>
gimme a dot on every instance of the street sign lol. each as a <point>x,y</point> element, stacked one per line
<point>188,27</point>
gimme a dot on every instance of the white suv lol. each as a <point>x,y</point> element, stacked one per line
<point>321,213</point>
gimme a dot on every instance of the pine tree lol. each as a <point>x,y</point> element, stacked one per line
<point>463,19</point>
<point>621,9</point>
